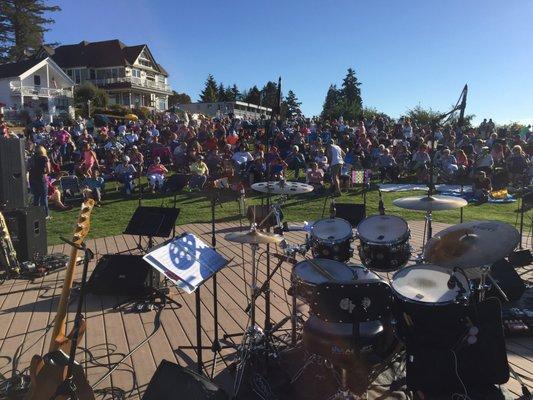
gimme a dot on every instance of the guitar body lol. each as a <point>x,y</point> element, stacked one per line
<point>48,373</point>
<point>46,378</point>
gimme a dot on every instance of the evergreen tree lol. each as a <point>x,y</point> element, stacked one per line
<point>253,96</point>
<point>221,92</point>
<point>270,95</point>
<point>210,92</point>
<point>331,102</point>
<point>232,93</point>
<point>22,27</point>
<point>353,104</point>
<point>291,106</point>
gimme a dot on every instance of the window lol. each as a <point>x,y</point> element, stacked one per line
<point>92,74</point>
<point>136,73</point>
<point>37,80</point>
<point>77,75</point>
<point>160,78</point>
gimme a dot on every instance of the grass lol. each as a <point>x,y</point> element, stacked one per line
<point>111,219</point>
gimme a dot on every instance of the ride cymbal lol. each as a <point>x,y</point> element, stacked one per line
<point>471,244</point>
<point>282,187</point>
<point>254,237</point>
<point>430,203</point>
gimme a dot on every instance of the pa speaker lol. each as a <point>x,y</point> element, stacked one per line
<point>27,228</point>
<point>13,184</point>
<point>123,275</point>
<point>173,382</point>
<point>508,279</point>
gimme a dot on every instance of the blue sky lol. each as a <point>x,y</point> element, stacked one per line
<point>404,52</point>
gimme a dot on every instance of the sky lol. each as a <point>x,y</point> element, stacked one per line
<point>404,52</point>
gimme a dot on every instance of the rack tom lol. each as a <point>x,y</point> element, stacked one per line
<point>331,238</point>
<point>384,242</point>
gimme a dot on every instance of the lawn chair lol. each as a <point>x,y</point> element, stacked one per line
<point>70,188</point>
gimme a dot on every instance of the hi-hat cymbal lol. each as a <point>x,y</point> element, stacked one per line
<point>471,244</point>
<point>282,187</point>
<point>254,237</point>
<point>430,203</point>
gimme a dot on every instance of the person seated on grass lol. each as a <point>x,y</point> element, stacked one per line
<point>125,173</point>
<point>137,159</point>
<point>315,177</point>
<point>296,161</point>
<point>257,172</point>
<point>156,175</point>
<point>419,162</point>
<point>387,166</point>
<point>517,163</point>
<point>241,159</point>
<point>199,173</point>
<point>448,162</point>
<point>481,187</point>
<point>54,195</point>
<point>94,183</point>
<point>484,161</point>
<point>277,168</point>
<point>321,159</point>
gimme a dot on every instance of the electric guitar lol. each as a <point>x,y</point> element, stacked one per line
<point>8,255</point>
<point>47,373</point>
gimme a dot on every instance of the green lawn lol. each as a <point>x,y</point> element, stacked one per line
<point>113,216</point>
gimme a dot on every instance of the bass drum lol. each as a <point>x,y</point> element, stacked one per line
<point>432,304</point>
<point>384,242</point>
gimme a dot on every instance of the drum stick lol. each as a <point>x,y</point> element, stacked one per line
<point>320,269</point>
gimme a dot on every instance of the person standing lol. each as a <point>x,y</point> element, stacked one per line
<point>336,158</point>
<point>39,168</point>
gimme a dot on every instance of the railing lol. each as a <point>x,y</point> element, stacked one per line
<point>40,91</point>
<point>134,81</point>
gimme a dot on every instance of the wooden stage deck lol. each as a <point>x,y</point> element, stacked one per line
<point>27,308</point>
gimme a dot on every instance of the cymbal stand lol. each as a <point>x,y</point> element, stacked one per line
<point>484,285</point>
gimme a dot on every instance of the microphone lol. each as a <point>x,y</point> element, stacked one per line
<point>381,207</point>
<point>332,209</point>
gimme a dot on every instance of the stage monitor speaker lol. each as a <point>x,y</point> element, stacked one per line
<point>440,369</point>
<point>508,279</point>
<point>152,221</point>
<point>27,228</point>
<point>13,183</point>
<point>257,214</point>
<point>173,382</point>
<point>353,213</point>
<point>123,275</point>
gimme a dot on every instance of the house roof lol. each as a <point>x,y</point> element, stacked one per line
<point>17,68</point>
<point>108,53</point>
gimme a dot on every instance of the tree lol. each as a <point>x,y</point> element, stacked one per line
<point>270,95</point>
<point>178,98</point>
<point>331,102</point>
<point>235,94</point>
<point>22,27</point>
<point>253,96</point>
<point>421,116</point>
<point>351,93</point>
<point>210,92</point>
<point>291,106</point>
<point>88,91</point>
<point>221,93</point>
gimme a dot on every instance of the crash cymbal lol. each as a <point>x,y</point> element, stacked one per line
<point>282,187</point>
<point>471,244</point>
<point>254,237</point>
<point>430,203</point>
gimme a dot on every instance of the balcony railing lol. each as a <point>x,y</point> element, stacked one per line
<point>144,83</point>
<point>39,91</point>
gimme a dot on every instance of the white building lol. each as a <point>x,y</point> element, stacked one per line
<point>37,85</point>
<point>238,108</point>
<point>129,74</point>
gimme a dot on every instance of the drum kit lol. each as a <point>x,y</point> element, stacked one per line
<point>360,318</point>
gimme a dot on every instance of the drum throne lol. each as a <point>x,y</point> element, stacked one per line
<point>349,331</point>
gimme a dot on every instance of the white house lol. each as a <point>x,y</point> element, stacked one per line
<point>237,108</point>
<point>37,85</point>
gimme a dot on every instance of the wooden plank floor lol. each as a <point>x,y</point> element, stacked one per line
<point>28,307</point>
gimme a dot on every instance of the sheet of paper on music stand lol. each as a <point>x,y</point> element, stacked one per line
<point>186,261</point>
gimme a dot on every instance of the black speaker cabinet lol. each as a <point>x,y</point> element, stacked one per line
<point>123,274</point>
<point>27,228</point>
<point>13,183</point>
<point>173,382</point>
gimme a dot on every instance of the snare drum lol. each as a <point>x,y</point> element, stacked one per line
<point>384,242</point>
<point>431,308</point>
<point>331,238</point>
<point>306,277</point>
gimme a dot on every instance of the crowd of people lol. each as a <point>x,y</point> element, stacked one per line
<point>181,152</point>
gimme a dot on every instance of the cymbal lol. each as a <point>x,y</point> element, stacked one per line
<point>254,237</point>
<point>471,244</point>
<point>430,203</point>
<point>282,187</point>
